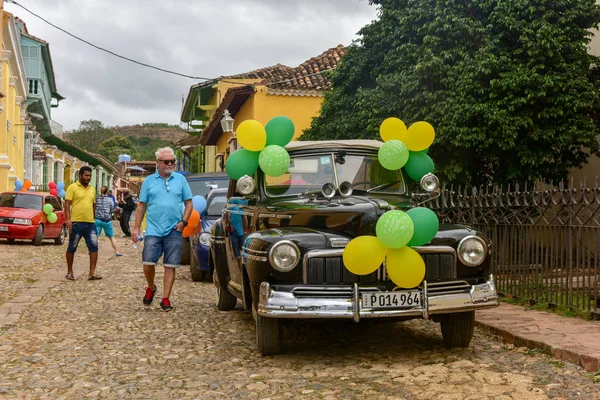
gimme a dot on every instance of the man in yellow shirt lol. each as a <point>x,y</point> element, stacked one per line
<point>80,209</point>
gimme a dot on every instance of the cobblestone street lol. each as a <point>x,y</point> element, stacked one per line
<point>95,339</point>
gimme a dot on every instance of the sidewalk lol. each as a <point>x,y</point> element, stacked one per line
<point>569,339</point>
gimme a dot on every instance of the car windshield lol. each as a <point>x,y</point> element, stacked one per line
<point>216,205</point>
<point>311,172</point>
<point>17,200</point>
<point>201,187</point>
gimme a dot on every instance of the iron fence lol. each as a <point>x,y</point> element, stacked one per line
<point>545,238</point>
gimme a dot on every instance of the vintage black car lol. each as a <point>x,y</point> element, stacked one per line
<point>290,233</point>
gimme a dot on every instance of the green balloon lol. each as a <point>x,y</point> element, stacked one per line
<point>48,209</point>
<point>393,154</point>
<point>418,165</point>
<point>52,218</point>
<point>426,225</point>
<point>274,160</point>
<point>241,162</point>
<point>280,131</point>
<point>394,229</point>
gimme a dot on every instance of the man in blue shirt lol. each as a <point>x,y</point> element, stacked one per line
<point>161,199</point>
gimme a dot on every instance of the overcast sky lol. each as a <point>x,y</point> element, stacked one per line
<point>206,38</point>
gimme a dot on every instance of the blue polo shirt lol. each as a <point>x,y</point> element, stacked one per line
<point>164,199</point>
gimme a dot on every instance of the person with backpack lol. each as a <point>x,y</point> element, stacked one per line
<point>104,209</point>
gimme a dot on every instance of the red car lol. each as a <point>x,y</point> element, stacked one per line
<point>22,217</point>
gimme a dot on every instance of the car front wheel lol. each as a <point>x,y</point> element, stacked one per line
<point>225,300</point>
<point>39,234</point>
<point>197,275</point>
<point>61,239</point>
<point>457,328</point>
<point>269,335</point>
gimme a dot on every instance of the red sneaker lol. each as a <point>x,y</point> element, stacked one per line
<point>149,296</point>
<point>165,305</point>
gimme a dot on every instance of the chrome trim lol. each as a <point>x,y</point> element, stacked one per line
<point>319,302</point>
<point>281,242</point>
<point>255,258</point>
<point>434,249</point>
<point>236,212</point>
<point>356,304</point>
<point>314,254</point>
<point>253,250</point>
<point>267,216</point>
<point>338,242</point>
<point>485,250</point>
<point>283,216</point>
<point>216,241</point>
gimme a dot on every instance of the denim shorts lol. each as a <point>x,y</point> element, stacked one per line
<point>170,245</point>
<point>87,230</point>
<point>107,226</point>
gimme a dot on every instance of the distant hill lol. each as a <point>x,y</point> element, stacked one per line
<point>170,133</point>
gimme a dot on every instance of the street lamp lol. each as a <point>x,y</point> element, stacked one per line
<point>227,122</point>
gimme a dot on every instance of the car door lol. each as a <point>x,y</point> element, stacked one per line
<point>60,215</point>
<point>50,229</point>
<point>240,220</point>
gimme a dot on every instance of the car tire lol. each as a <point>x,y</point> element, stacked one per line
<point>225,300</point>
<point>197,275</point>
<point>39,234</point>
<point>61,239</point>
<point>269,335</point>
<point>457,328</point>
<point>186,251</point>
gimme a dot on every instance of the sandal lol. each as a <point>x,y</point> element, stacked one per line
<point>70,277</point>
<point>94,278</point>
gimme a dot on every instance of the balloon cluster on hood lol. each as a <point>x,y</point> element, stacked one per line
<point>397,230</point>
<point>261,146</point>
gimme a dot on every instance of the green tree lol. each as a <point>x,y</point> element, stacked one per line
<point>90,135</point>
<point>508,85</point>
<point>111,148</point>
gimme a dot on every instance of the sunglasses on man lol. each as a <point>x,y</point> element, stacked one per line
<point>167,162</point>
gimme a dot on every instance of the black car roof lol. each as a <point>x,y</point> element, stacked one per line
<point>206,175</point>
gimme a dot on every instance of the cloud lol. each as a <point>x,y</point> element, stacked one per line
<point>202,38</point>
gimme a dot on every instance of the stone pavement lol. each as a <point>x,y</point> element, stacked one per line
<point>568,339</point>
<point>94,339</point>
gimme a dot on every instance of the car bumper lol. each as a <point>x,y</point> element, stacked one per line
<point>18,231</point>
<point>345,301</point>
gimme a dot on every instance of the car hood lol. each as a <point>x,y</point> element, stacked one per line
<point>10,212</point>
<point>353,216</point>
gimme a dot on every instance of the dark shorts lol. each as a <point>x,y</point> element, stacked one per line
<point>87,230</point>
<point>236,244</point>
<point>170,245</point>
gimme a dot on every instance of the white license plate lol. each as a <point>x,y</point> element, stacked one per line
<point>3,228</point>
<point>391,299</point>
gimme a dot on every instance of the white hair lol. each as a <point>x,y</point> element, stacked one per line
<point>164,150</point>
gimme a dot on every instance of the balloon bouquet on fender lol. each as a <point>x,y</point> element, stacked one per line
<point>397,230</point>
<point>55,189</point>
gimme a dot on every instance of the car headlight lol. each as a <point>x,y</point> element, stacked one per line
<point>472,251</point>
<point>246,185</point>
<point>22,221</point>
<point>430,182</point>
<point>284,256</point>
<point>205,239</point>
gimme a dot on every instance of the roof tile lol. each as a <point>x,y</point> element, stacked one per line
<point>305,76</point>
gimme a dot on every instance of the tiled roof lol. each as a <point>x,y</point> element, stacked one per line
<point>306,76</point>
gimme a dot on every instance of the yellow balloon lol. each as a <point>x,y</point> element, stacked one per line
<point>405,267</point>
<point>364,254</point>
<point>251,135</point>
<point>393,129</point>
<point>420,136</point>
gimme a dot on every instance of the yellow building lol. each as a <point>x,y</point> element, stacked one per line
<point>260,95</point>
<point>13,116</point>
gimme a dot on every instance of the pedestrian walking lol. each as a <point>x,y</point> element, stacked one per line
<point>104,209</point>
<point>80,208</point>
<point>127,205</point>
<point>110,195</point>
<point>162,198</point>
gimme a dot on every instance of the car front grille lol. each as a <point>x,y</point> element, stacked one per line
<point>440,264</point>
<point>6,220</point>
